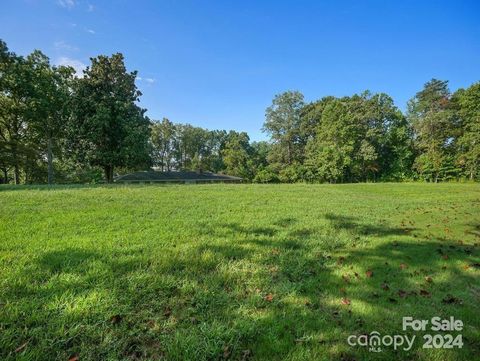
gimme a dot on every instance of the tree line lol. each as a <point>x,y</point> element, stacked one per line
<point>60,127</point>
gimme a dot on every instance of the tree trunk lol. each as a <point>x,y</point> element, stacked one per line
<point>16,167</point>
<point>50,161</point>
<point>5,175</point>
<point>108,171</point>
<point>17,173</point>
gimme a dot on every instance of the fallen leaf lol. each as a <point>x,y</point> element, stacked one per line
<point>345,301</point>
<point>73,358</point>
<point>21,347</point>
<point>445,256</point>
<point>425,293</point>
<point>403,266</point>
<point>449,299</point>
<point>226,352</point>
<point>167,311</point>
<point>268,297</point>
<point>115,319</point>
<point>369,273</point>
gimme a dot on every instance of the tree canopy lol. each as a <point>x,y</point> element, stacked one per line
<point>56,126</point>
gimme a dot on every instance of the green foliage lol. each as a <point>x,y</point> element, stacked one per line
<point>51,120</point>
<point>110,129</point>
<point>236,155</point>
<point>266,175</point>
<point>283,121</point>
<point>431,115</point>
<point>468,155</point>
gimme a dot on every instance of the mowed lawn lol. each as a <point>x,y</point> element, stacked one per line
<point>239,272</point>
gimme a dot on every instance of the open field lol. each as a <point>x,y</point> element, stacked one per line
<point>240,272</point>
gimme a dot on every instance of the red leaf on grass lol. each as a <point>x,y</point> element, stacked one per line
<point>345,301</point>
<point>268,297</point>
<point>369,273</point>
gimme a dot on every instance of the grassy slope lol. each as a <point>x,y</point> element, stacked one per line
<point>235,271</point>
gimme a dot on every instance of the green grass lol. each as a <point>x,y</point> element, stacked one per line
<point>242,272</point>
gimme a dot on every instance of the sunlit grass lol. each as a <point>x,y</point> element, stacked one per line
<point>234,271</point>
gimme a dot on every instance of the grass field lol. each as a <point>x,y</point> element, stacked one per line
<point>240,272</point>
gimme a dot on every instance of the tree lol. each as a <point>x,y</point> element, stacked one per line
<point>15,89</point>
<point>468,110</point>
<point>110,129</point>
<point>431,116</point>
<point>162,138</point>
<point>329,154</point>
<point>49,104</point>
<point>283,122</point>
<point>236,155</point>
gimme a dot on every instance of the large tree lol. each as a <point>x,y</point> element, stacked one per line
<point>110,128</point>
<point>283,122</point>
<point>162,138</point>
<point>16,87</point>
<point>468,110</point>
<point>237,155</point>
<point>49,105</point>
<point>431,116</point>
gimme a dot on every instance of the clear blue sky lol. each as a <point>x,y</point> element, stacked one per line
<point>218,64</point>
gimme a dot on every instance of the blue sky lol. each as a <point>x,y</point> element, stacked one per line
<point>218,64</point>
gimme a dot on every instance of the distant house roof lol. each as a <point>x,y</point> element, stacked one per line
<point>176,177</point>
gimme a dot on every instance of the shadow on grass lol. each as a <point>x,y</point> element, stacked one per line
<point>269,293</point>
